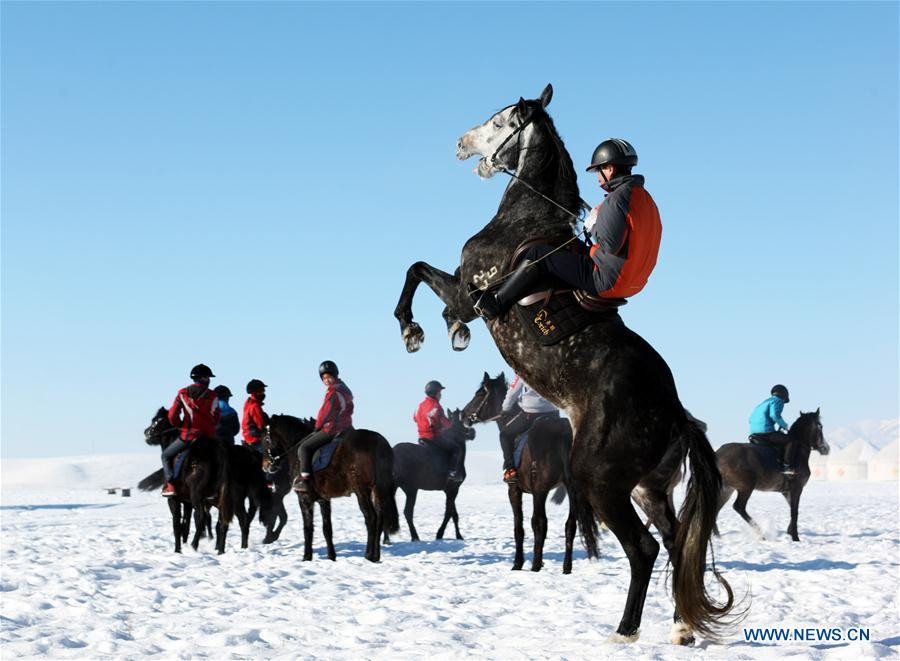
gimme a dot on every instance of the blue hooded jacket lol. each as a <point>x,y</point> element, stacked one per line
<point>767,415</point>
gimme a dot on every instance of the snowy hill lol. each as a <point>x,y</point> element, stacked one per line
<point>877,433</point>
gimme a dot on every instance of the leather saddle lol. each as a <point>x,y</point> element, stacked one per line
<point>585,300</point>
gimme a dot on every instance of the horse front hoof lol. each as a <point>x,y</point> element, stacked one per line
<point>537,567</point>
<point>307,558</point>
<point>459,336</point>
<point>413,337</point>
<point>459,537</point>
<point>567,570</point>
<point>620,639</point>
<point>517,566</point>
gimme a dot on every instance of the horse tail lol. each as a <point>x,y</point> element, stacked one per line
<point>385,488</point>
<point>153,481</point>
<point>697,517</point>
<point>584,513</point>
<point>559,495</point>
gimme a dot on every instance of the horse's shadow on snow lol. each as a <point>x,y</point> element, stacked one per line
<point>60,506</point>
<point>806,565</point>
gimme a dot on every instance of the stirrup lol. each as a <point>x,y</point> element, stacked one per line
<point>301,484</point>
<point>510,476</point>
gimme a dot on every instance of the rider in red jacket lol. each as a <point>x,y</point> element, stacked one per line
<point>432,422</point>
<point>334,417</point>
<point>254,418</point>
<point>196,411</point>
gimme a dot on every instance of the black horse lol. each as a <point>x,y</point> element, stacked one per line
<point>418,467</point>
<point>545,466</point>
<point>618,392</point>
<point>746,468</point>
<point>203,480</point>
<point>362,464</point>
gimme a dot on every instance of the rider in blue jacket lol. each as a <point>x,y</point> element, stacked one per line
<point>763,421</point>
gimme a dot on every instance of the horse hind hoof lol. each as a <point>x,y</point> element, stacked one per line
<point>621,639</point>
<point>413,337</point>
<point>681,634</point>
<point>459,336</point>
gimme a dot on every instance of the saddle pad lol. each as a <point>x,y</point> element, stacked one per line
<point>323,455</point>
<point>520,447</point>
<point>769,456</point>
<point>559,318</point>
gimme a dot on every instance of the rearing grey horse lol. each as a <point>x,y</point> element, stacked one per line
<point>618,392</point>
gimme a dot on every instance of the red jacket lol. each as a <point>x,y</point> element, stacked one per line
<point>196,411</point>
<point>430,418</point>
<point>253,421</point>
<point>337,409</point>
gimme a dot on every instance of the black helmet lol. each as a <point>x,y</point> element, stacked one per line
<point>328,367</point>
<point>781,391</point>
<point>201,370</point>
<point>614,151</point>
<point>432,388</point>
<point>255,385</point>
<point>222,392</point>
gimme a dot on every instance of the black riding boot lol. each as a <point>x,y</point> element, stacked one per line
<point>496,302</point>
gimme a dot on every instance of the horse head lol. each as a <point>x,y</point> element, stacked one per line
<point>159,428</point>
<point>280,436</point>
<point>809,429</point>
<point>498,140</point>
<point>458,426</point>
<point>487,402</point>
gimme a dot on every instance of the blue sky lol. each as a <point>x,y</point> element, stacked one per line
<point>245,185</point>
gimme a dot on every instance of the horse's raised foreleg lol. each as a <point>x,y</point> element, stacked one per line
<point>539,528</point>
<point>515,499</point>
<point>447,287</point>
<point>325,507</point>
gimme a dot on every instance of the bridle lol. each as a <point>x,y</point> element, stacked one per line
<point>267,451</point>
<point>473,417</point>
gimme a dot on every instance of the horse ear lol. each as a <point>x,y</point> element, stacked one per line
<point>817,410</point>
<point>522,108</point>
<point>546,95</point>
<point>486,378</point>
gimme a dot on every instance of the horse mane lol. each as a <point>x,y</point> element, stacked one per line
<point>290,426</point>
<point>801,426</point>
<point>559,156</point>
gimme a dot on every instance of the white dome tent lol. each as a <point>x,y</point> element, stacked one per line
<point>886,464</point>
<point>850,463</point>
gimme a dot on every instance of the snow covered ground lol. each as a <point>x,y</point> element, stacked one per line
<point>91,575</point>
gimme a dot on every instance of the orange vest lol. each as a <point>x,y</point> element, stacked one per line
<point>644,234</point>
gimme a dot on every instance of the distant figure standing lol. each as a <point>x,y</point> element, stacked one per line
<point>196,411</point>
<point>432,422</point>
<point>228,425</point>
<point>532,406</point>
<point>254,418</point>
<point>764,420</point>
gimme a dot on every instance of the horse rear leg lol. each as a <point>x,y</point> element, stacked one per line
<point>571,527</point>
<point>278,513</point>
<point>200,515</point>
<point>244,519</point>
<point>740,506</point>
<point>221,534</point>
<point>368,511</point>
<point>539,528</point>
<point>408,510</point>
<point>325,508</point>
<point>515,499</point>
<point>639,546</point>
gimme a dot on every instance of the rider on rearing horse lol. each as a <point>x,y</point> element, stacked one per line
<point>432,422</point>
<point>625,229</point>
<point>335,416</point>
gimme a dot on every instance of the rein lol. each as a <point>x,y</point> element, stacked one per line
<point>473,417</point>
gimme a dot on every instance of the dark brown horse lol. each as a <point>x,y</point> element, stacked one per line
<point>544,466</point>
<point>418,468</point>
<point>746,468</point>
<point>362,464</point>
<point>202,481</point>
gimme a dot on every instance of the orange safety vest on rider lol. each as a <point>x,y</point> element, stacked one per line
<point>644,235</point>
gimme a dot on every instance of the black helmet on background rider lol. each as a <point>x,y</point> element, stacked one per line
<point>782,392</point>
<point>614,151</point>
<point>201,371</point>
<point>255,385</point>
<point>433,388</point>
<point>328,367</point>
<point>222,392</point>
